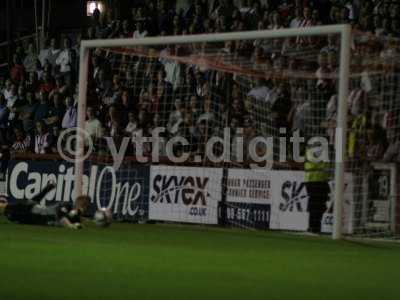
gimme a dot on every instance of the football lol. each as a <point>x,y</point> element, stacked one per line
<point>103,217</point>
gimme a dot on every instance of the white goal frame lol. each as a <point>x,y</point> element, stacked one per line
<point>340,143</point>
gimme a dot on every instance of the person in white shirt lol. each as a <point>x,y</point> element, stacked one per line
<point>11,101</point>
<point>70,116</point>
<point>7,89</point>
<point>93,126</point>
<point>140,31</point>
<point>66,61</point>
<point>331,46</point>
<point>175,118</point>
<point>22,141</point>
<point>305,22</point>
<point>392,153</point>
<point>49,54</point>
<point>349,5</point>
<point>324,73</point>
<point>297,20</point>
<point>43,140</point>
<point>132,124</point>
<point>30,59</point>
<point>245,8</point>
<point>173,70</point>
<point>260,91</point>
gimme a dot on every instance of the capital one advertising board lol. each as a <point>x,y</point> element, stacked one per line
<point>184,194</point>
<point>123,191</point>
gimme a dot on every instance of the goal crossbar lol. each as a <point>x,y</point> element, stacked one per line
<point>218,37</point>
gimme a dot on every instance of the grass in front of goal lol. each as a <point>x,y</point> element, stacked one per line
<point>187,262</point>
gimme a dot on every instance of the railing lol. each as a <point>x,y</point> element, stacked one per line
<point>4,45</point>
<point>21,39</point>
<point>107,159</point>
<point>3,50</point>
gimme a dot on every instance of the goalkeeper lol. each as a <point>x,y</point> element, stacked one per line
<point>31,212</point>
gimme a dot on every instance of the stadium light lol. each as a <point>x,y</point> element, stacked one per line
<point>91,6</point>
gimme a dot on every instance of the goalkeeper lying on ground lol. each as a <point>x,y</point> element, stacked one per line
<point>31,212</point>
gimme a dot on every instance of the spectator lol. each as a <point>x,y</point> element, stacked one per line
<point>154,98</point>
<point>323,72</point>
<point>56,114</point>
<point>21,97</point>
<point>202,87</point>
<point>4,158</point>
<point>193,108</point>
<point>187,130</point>
<point>22,143</point>
<point>17,71</point>
<point>38,70</point>
<point>60,87</point>
<point>48,84</point>
<point>70,117</point>
<point>298,19</point>
<point>307,21</point>
<point>376,143</point>
<point>43,139</point>
<point>103,85</point>
<point>3,119</point>
<point>137,92</point>
<point>30,59</point>
<point>116,92</point>
<point>175,118</point>
<point>7,90</point>
<point>93,126</point>
<point>113,123</point>
<point>126,31</point>
<point>42,110</point>
<point>33,82</point>
<point>140,31</point>
<point>49,55</point>
<point>12,102</point>
<point>126,101</point>
<point>208,115</point>
<point>132,124</point>
<point>392,153</point>
<point>173,70</point>
<point>28,111</point>
<point>331,45</point>
<point>66,62</point>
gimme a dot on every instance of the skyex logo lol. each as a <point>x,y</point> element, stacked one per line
<point>190,191</point>
<point>293,193</point>
<point>120,197</point>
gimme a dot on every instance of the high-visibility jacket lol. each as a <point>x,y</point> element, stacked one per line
<point>316,171</point>
<point>356,140</point>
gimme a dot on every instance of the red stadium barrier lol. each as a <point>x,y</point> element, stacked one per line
<point>163,160</point>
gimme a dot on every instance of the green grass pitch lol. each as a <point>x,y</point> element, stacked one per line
<point>188,262</point>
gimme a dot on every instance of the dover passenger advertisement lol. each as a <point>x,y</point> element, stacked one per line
<point>249,198</point>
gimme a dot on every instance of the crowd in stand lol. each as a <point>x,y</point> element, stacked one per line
<point>142,89</point>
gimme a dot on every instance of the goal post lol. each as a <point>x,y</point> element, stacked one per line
<point>340,142</point>
<point>344,31</point>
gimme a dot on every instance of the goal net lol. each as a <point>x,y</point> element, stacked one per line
<point>219,129</point>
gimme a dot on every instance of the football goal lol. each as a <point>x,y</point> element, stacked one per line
<point>261,129</point>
